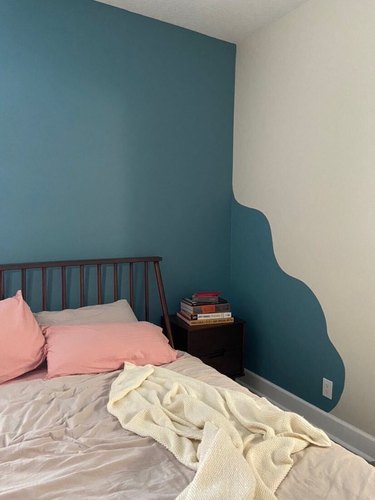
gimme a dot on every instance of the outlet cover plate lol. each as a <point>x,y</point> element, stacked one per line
<point>327,388</point>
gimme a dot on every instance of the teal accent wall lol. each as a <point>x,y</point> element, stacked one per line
<point>286,334</point>
<point>115,140</point>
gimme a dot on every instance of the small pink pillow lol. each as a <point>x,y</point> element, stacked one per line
<point>74,349</point>
<point>21,339</point>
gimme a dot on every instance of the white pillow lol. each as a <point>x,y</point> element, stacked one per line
<point>115,312</point>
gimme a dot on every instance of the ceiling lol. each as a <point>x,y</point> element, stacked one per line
<point>230,20</point>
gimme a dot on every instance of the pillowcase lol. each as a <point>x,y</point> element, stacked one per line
<point>74,349</point>
<point>115,312</point>
<point>21,339</point>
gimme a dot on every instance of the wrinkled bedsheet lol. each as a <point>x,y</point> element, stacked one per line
<point>57,440</point>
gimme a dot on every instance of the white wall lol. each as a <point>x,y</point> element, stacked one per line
<point>304,154</point>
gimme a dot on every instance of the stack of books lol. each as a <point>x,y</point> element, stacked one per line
<point>205,308</point>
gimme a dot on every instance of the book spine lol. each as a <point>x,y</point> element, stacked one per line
<point>206,300</point>
<point>206,316</point>
<point>206,294</point>
<point>205,308</point>
<point>197,322</point>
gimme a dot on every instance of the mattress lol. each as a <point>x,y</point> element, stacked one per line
<point>58,440</point>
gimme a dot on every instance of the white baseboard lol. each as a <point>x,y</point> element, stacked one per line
<point>341,432</point>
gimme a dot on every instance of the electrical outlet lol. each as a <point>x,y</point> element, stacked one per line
<point>327,388</point>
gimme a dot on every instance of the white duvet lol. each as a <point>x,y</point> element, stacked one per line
<point>58,441</point>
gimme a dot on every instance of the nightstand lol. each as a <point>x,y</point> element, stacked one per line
<point>219,345</point>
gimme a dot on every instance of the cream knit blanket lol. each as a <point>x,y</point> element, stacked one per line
<point>240,447</point>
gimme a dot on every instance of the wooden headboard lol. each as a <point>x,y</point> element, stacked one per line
<point>98,264</point>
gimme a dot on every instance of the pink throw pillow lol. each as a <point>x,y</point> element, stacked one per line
<point>75,349</point>
<point>21,339</point>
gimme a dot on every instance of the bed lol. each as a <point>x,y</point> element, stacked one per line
<point>57,437</point>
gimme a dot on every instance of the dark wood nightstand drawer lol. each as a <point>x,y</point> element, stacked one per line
<point>207,341</point>
<point>227,362</point>
<point>217,345</point>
